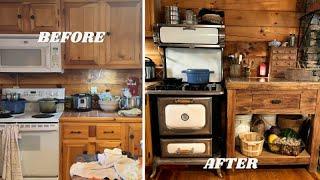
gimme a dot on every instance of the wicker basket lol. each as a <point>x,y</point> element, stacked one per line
<point>251,144</point>
<point>286,149</point>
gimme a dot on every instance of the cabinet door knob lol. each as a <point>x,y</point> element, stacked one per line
<point>131,136</point>
<point>32,17</point>
<point>19,16</point>
<point>85,152</point>
<point>108,33</point>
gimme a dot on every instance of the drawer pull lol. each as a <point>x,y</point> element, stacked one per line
<point>108,132</point>
<point>75,132</point>
<point>185,151</point>
<point>275,101</point>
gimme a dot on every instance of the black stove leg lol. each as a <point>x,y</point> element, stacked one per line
<point>219,173</point>
<point>154,168</point>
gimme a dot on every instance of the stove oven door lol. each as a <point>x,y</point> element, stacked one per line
<point>185,116</point>
<point>186,147</point>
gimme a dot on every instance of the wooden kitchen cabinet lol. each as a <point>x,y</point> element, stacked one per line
<point>70,150</point>
<point>135,137</point>
<point>43,17</point>
<point>11,17</point>
<point>275,96</point>
<point>123,22</point>
<point>93,136</point>
<point>82,17</point>
<point>28,17</point>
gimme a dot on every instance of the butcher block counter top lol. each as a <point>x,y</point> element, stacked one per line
<point>270,84</point>
<point>96,116</point>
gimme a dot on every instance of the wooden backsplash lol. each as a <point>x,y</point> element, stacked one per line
<point>250,24</point>
<point>75,81</point>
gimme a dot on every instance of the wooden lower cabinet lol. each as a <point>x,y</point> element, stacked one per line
<point>275,97</point>
<point>70,150</point>
<point>91,138</point>
<point>135,137</point>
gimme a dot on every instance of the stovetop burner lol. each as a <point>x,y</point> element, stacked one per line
<point>3,116</point>
<point>43,116</point>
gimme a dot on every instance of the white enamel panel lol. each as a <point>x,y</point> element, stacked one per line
<point>185,116</point>
<point>185,35</point>
<point>193,148</point>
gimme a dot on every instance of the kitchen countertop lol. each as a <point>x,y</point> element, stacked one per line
<point>96,116</point>
<point>270,84</point>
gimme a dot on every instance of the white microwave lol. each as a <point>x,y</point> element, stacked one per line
<point>23,53</point>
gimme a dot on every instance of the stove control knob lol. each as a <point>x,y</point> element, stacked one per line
<point>185,117</point>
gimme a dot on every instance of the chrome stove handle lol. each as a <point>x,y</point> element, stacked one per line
<point>184,101</point>
<point>185,151</point>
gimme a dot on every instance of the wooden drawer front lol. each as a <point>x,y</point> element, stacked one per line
<point>292,57</point>
<point>275,100</point>
<point>243,101</point>
<point>284,50</point>
<point>284,63</point>
<point>75,131</point>
<point>112,131</point>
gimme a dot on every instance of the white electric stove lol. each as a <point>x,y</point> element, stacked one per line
<point>39,142</point>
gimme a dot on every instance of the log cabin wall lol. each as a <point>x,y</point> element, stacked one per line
<point>75,81</point>
<point>250,24</point>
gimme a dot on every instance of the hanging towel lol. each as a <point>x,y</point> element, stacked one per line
<point>10,153</point>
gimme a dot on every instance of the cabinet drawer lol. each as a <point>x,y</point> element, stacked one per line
<point>276,100</point>
<point>243,101</point>
<point>284,50</point>
<point>291,57</point>
<point>112,131</point>
<point>284,63</point>
<point>75,131</point>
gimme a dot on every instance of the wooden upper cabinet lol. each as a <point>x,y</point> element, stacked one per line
<point>123,22</point>
<point>11,18</point>
<point>28,17</point>
<point>43,17</point>
<point>82,17</point>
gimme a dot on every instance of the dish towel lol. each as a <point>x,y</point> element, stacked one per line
<point>10,154</point>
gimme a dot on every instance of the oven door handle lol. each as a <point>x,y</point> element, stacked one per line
<point>184,101</point>
<point>185,151</point>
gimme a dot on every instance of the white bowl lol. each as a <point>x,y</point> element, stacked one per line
<point>109,106</point>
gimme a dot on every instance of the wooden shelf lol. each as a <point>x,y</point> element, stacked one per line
<point>268,158</point>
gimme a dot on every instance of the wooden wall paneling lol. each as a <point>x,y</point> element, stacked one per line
<point>151,51</point>
<point>254,5</point>
<point>258,33</point>
<point>248,18</point>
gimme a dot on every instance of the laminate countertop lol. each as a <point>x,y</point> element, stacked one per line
<point>270,84</point>
<point>96,116</point>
